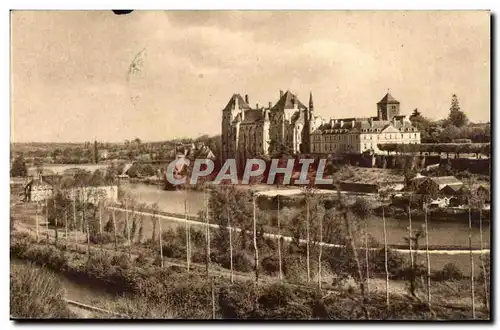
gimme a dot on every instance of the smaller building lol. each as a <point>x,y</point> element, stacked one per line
<point>37,190</point>
<point>437,184</point>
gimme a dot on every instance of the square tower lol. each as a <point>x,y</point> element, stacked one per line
<point>387,108</point>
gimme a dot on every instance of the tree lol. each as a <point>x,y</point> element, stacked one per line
<point>96,153</point>
<point>19,167</point>
<point>362,209</point>
<point>422,124</point>
<point>456,116</point>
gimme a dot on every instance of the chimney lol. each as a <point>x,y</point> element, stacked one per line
<point>371,121</point>
<point>246,98</point>
<point>281,93</point>
<point>394,121</point>
<point>270,105</point>
<point>256,105</point>
<point>236,104</point>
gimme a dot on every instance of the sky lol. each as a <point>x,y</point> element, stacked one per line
<point>157,75</point>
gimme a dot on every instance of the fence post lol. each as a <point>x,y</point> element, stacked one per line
<point>428,258</point>
<point>47,220</point>
<point>307,238</point>
<point>100,217</point>
<point>66,228</point>
<point>385,261</point>
<point>213,296</point>
<point>207,239</point>
<point>320,250</point>
<point>114,230</point>
<point>128,231</point>
<point>279,242</point>
<point>37,225</point>
<point>230,238</point>
<point>256,249</point>
<point>74,218</point>
<point>161,242</point>
<point>471,267</point>
<point>188,248</point>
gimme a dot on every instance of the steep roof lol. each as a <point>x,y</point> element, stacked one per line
<point>252,116</point>
<point>232,103</point>
<point>298,117</point>
<point>351,125</point>
<point>287,102</point>
<point>387,99</point>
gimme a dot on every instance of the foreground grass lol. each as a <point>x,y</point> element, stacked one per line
<point>170,292</point>
<point>36,293</point>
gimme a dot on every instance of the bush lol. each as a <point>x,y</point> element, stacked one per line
<point>270,265</point>
<point>102,238</point>
<point>236,301</point>
<point>450,272</point>
<point>141,260</point>
<point>36,293</point>
<point>173,250</point>
<point>121,260</point>
<point>99,265</point>
<point>395,262</point>
<point>242,262</point>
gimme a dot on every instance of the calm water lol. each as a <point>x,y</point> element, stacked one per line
<point>76,290</point>
<point>440,232</point>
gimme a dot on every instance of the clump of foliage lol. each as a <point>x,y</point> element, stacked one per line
<point>36,293</point>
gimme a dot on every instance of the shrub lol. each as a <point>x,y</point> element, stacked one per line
<point>141,260</point>
<point>241,261</point>
<point>450,272</point>
<point>36,293</point>
<point>270,265</point>
<point>395,262</point>
<point>99,265</point>
<point>102,238</point>
<point>121,260</point>
<point>173,250</point>
<point>237,300</point>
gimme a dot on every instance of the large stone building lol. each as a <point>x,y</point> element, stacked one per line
<point>357,135</point>
<point>250,132</point>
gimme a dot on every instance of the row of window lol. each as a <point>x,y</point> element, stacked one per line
<point>393,136</point>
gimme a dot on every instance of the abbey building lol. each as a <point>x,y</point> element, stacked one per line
<point>289,124</point>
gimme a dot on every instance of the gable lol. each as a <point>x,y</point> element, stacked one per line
<point>390,129</point>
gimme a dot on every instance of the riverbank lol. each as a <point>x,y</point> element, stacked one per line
<point>190,297</point>
<point>442,232</point>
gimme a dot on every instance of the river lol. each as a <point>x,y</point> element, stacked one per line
<point>440,232</point>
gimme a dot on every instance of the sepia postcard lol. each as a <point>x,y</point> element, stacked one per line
<point>255,165</point>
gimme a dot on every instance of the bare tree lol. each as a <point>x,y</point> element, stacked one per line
<point>387,302</point>
<point>362,209</point>
<point>351,241</point>
<point>256,249</point>
<point>471,259</point>
<point>428,258</point>
<point>279,241</point>
<point>230,236</point>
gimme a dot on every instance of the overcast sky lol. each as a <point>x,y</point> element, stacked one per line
<point>71,80</point>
